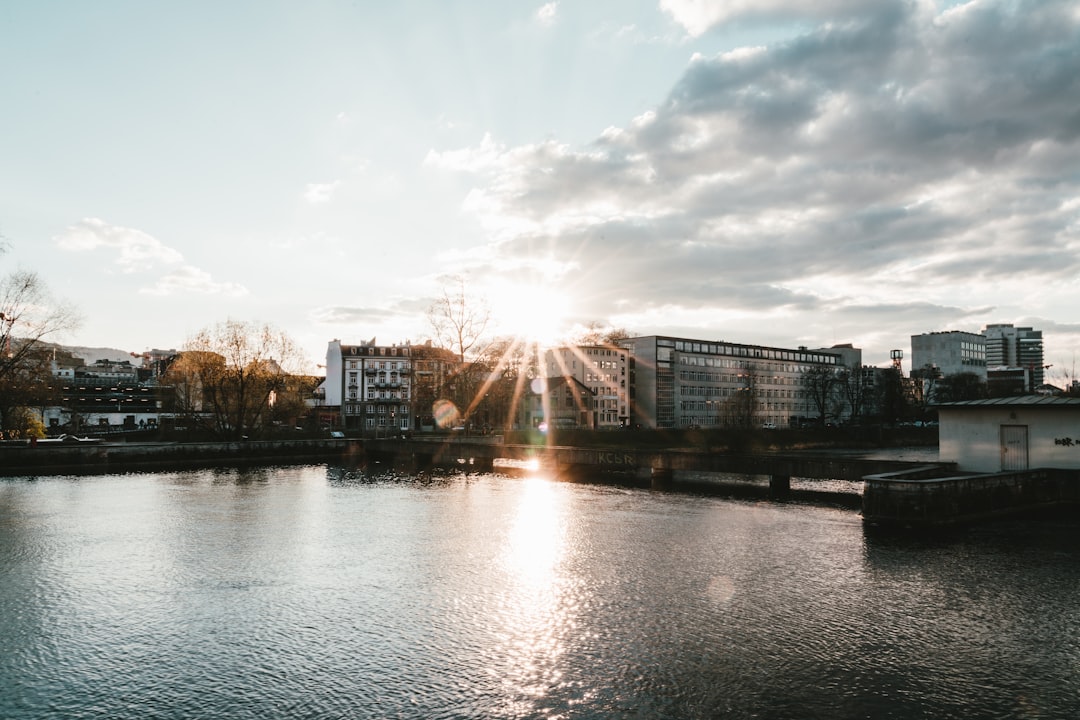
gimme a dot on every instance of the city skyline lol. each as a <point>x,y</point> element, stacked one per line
<point>764,173</point>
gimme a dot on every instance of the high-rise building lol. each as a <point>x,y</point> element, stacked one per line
<point>952,352</point>
<point>678,382</point>
<point>1017,347</point>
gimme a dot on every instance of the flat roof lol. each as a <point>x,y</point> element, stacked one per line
<point>1017,401</point>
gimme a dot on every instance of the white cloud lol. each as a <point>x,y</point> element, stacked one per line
<point>548,13</point>
<point>318,193</point>
<point>136,251</point>
<point>699,16</point>
<point>483,157</point>
<point>192,280</point>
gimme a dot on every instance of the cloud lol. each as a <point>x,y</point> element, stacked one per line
<point>888,153</point>
<point>136,250</point>
<point>139,252</point>
<point>398,309</point>
<point>481,158</point>
<point>318,193</point>
<point>699,16</point>
<point>188,280</point>
<point>547,14</point>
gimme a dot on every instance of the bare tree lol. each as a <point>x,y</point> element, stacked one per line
<point>856,391</point>
<point>27,384</point>
<point>28,315</point>
<point>230,374</point>
<point>596,333</point>
<point>741,408</point>
<point>457,318</point>
<point>820,383</point>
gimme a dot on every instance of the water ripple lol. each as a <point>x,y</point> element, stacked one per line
<point>325,593</point>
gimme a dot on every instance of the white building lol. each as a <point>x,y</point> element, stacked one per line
<point>952,352</point>
<point>603,370</point>
<point>369,385</point>
<point>1012,433</point>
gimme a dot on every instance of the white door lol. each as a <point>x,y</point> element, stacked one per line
<point>1014,447</point>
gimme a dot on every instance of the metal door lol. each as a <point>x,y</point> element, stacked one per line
<point>1014,447</point>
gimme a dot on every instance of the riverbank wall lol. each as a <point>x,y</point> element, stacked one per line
<point>42,459</point>
<point>926,499</point>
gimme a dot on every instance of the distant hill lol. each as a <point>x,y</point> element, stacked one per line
<point>91,355</point>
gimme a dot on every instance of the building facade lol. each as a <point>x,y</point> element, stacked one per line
<point>368,386</point>
<point>1016,347</point>
<point>435,372</point>
<point>106,395</point>
<point>603,369</point>
<point>558,402</point>
<point>952,352</point>
<point>680,382</point>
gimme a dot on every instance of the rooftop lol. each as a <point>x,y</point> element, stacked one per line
<point>1017,401</point>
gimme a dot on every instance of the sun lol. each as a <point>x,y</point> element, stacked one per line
<point>535,313</point>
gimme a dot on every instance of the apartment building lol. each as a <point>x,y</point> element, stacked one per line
<point>681,382</point>
<point>603,369</point>
<point>369,385</point>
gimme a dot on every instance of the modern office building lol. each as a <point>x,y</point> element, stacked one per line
<point>679,382</point>
<point>952,352</point>
<point>603,369</point>
<point>1016,347</point>
<point>369,386</point>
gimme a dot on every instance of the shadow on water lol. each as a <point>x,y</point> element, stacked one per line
<point>371,474</point>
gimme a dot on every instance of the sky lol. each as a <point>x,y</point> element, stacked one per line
<point>768,172</point>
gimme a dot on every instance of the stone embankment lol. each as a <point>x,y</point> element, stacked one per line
<point>930,498</point>
<point>53,458</point>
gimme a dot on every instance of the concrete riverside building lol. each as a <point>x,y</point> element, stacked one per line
<point>952,352</point>
<point>1011,434</point>
<point>679,382</point>
<point>603,369</point>
<point>369,385</point>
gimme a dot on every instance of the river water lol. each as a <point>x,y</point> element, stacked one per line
<point>320,592</point>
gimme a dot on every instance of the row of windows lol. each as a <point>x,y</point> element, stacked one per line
<point>701,406</point>
<point>747,368</point>
<point>723,392</point>
<point>383,422</point>
<point>748,351</point>
<point>369,350</point>
<point>381,365</point>
<point>744,379</point>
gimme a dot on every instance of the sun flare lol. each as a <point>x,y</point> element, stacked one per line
<point>535,313</point>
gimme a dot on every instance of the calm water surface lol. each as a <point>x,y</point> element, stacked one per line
<point>317,592</point>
